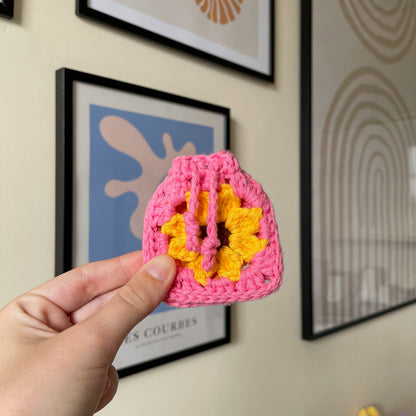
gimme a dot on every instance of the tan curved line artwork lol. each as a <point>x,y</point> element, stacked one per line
<point>387,32</point>
<point>366,209</point>
<point>220,11</point>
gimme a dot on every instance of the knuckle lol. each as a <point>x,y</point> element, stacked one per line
<point>138,296</point>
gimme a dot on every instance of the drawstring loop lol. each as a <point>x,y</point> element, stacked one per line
<point>211,242</point>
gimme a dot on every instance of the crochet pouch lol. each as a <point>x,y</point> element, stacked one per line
<point>218,224</point>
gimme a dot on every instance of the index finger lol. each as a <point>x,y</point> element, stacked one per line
<point>77,287</point>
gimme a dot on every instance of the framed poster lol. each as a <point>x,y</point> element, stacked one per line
<point>235,33</point>
<point>358,161</point>
<point>7,8</point>
<point>115,144</point>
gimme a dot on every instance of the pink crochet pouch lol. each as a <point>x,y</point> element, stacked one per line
<point>218,224</point>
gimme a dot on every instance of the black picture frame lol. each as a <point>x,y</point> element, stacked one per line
<point>7,8</point>
<point>305,168</point>
<point>79,96</point>
<point>368,80</point>
<point>263,69</point>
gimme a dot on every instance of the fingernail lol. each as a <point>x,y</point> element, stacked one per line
<point>161,268</point>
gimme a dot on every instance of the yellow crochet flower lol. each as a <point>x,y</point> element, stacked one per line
<point>236,229</point>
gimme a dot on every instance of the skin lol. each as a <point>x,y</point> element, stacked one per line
<point>57,342</point>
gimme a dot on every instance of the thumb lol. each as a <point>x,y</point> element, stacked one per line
<point>131,304</point>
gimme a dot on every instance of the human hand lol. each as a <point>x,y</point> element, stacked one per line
<point>57,342</point>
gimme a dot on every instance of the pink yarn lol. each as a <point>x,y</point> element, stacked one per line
<point>261,277</point>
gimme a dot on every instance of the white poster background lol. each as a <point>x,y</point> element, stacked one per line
<point>169,332</point>
<point>260,63</point>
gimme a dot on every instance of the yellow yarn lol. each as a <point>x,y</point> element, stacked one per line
<point>369,411</point>
<point>242,225</point>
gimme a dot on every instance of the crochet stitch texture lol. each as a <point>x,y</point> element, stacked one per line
<point>218,224</point>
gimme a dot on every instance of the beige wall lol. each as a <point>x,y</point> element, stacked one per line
<point>268,369</point>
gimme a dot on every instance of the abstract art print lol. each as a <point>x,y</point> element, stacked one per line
<point>235,33</point>
<point>358,161</point>
<point>115,145</point>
